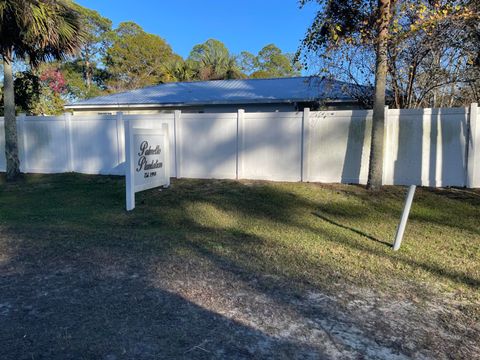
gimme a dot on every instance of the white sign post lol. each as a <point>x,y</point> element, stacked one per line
<point>147,160</point>
<point>404,218</point>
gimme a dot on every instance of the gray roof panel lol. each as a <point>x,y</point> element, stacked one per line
<point>244,91</point>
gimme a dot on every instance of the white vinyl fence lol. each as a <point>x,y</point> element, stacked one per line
<point>430,147</point>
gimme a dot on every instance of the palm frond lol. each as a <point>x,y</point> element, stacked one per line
<point>39,30</point>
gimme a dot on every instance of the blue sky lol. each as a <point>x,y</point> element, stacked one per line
<point>241,25</point>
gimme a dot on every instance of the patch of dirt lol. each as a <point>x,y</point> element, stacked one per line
<point>355,323</point>
<point>101,304</point>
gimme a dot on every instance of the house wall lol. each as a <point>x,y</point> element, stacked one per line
<point>189,109</point>
<point>279,107</point>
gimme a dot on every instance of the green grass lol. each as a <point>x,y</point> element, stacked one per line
<point>303,235</point>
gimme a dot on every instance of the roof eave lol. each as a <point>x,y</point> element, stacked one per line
<point>156,105</point>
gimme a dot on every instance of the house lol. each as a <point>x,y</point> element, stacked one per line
<point>252,95</point>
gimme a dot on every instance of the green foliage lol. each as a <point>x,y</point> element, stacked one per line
<point>35,31</point>
<point>247,62</point>
<point>260,74</point>
<point>136,59</point>
<point>96,41</point>
<point>38,30</point>
<point>178,70</point>
<point>212,61</point>
<point>27,91</point>
<point>49,103</point>
<point>41,92</point>
<point>269,63</point>
<point>77,87</point>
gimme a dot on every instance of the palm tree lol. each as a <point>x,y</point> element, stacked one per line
<point>34,31</point>
<point>212,61</point>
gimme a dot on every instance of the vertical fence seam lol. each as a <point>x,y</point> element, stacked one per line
<point>304,145</point>
<point>69,142</point>
<point>471,145</point>
<point>178,143</point>
<point>23,131</point>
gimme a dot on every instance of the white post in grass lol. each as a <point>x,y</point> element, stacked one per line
<point>404,219</point>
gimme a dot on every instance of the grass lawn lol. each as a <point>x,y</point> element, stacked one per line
<point>224,269</point>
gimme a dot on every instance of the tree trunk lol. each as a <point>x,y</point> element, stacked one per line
<point>87,67</point>
<point>88,73</point>
<point>11,146</point>
<point>375,171</point>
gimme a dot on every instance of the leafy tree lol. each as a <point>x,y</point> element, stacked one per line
<point>269,63</point>
<point>27,89</point>
<point>136,59</point>
<point>248,62</point>
<point>52,91</point>
<point>49,102</point>
<point>77,87</point>
<point>212,61</point>
<point>43,91</point>
<point>342,22</point>
<point>179,70</point>
<point>32,30</point>
<point>97,29</point>
<point>433,68</point>
<point>342,31</point>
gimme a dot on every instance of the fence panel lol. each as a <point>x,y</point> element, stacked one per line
<point>338,146</point>
<point>271,146</point>
<point>426,147</point>
<point>207,145</point>
<point>44,144</point>
<point>95,145</point>
<point>423,146</point>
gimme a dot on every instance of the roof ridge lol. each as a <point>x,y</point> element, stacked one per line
<point>246,79</point>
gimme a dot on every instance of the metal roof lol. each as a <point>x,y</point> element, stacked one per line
<point>244,91</point>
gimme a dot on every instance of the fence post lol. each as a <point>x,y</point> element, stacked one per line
<point>239,144</point>
<point>386,149</point>
<point>473,147</point>
<point>120,138</point>
<point>23,131</point>
<point>166,145</point>
<point>305,145</point>
<point>130,190</point>
<point>69,141</point>
<point>177,142</point>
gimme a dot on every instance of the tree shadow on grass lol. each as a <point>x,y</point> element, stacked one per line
<point>283,207</point>
<point>167,212</point>
<point>358,232</point>
<point>164,225</point>
<point>82,305</point>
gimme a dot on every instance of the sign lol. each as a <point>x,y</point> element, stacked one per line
<point>147,160</point>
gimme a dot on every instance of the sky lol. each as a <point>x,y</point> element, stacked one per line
<point>240,24</point>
